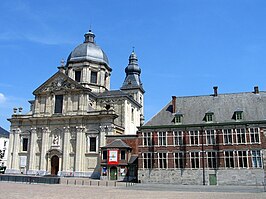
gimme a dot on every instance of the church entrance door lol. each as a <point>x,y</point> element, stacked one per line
<point>54,165</point>
<point>113,173</point>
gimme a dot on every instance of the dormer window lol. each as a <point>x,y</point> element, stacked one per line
<point>208,117</point>
<point>178,118</point>
<point>238,115</point>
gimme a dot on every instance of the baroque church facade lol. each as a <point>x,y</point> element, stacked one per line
<point>72,113</point>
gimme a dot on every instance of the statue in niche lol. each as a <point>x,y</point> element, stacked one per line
<point>56,140</point>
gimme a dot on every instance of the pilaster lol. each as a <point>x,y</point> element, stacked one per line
<point>32,157</point>
<point>80,145</point>
<point>66,149</point>
<point>44,148</point>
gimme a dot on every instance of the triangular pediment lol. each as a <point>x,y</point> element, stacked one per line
<point>58,82</point>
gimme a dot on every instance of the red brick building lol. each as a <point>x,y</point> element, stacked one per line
<point>215,139</point>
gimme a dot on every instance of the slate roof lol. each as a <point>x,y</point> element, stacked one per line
<point>4,133</point>
<point>223,107</point>
<point>117,143</point>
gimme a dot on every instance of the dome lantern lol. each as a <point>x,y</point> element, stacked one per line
<point>89,37</point>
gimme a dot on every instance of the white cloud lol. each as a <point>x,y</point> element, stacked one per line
<point>2,98</point>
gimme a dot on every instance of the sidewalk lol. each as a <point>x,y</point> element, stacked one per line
<point>198,188</point>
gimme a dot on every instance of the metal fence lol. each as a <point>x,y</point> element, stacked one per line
<point>30,179</point>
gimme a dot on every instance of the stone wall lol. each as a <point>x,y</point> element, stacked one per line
<point>195,176</point>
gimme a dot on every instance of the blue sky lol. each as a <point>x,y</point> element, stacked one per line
<point>185,47</point>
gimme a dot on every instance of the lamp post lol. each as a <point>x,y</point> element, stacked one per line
<point>203,155</point>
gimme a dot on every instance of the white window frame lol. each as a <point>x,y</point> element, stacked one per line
<point>162,138</point>
<point>256,158</point>
<point>239,136</point>
<point>210,136</point>
<point>178,138</point>
<point>253,132</point>
<point>229,159</point>
<point>195,158</point>
<point>195,135</point>
<point>162,156</point>
<point>146,160</point>
<point>243,158</point>
<point>227,134</point>
<point>179,160</point>
<point>211,159</point>
<point>147,139</point>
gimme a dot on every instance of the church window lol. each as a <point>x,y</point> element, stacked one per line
<point>93,77</point>
<point>25,144</point>
<point>92,144</point>
<point>132,115</point>
<point>78,75</point>
<point>58,103</point>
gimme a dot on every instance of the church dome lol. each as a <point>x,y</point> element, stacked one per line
<point>88,51</point>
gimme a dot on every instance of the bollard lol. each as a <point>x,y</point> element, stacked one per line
<point>115,183</point>
<point>75,182</point>
<point>82,182</point>
<point>90,183</point>
<point>67,182</point>
<point>107,183</point>
<point>98,183</point>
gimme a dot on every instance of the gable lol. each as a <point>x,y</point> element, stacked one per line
<point>59,81</point>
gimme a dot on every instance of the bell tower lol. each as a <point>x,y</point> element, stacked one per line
<point>132,83</point>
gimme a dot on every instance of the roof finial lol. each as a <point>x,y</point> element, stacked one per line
<point>133,49</point>
<point>62,62</point>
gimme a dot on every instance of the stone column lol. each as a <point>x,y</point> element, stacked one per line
<point>80,145</point>
<point>32,154</point>
<point>44,149</point>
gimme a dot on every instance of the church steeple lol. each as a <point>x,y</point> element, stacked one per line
<point>132,80</point>
<point>132,84</point>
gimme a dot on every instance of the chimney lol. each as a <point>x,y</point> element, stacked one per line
<point>173,104</point>
<point>215,90</point>
<point>256,90</point>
